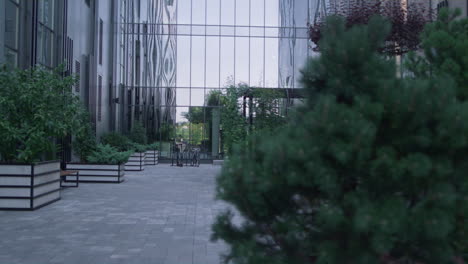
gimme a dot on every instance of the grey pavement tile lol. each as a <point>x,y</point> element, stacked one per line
<point>161,215</point>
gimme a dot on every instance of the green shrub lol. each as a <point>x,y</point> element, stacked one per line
<point>153,146</point>
<point>36,107</point>
<point>139,147</point>
<point>85,139</point>
<point>138,134</point>
<point>117,140</point>
<point>105,154</point>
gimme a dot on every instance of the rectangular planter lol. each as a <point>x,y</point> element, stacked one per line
<point>152,157</point>
<point>29,186</point>
<point>136,162</point>
<point>99,173</point>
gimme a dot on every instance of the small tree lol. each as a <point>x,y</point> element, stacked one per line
<point>138,134</point>
<point>37,106</point>
<point>117,140</point>
<point>263,114</point>
<point>445,46</point>
<point>85,139</point>
<point>371,170</point>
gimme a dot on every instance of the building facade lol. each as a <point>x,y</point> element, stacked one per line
<point>461,4</point>
<point>104,43</point>
<point>148,68</point>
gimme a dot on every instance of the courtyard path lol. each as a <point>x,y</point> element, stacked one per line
<point>160,216</point>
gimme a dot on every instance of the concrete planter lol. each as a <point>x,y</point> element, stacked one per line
<point>99,173</point>
<point>29,186</point>
<point>136,162</point>
<point>152,157</point>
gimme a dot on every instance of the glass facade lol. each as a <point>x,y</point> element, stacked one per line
<point>170,55</point>
<point>12,8</point>
<point>46,33</point>
<point>147,64</point>
<point>208,45</point>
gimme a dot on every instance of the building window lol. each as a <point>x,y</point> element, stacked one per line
<point>442,4</point>
<point>137,62</point>
<point>78,77</point>
<point>45,33</point>
<point>99,98</point>
<point>11,32</point>
<point>101,28</point>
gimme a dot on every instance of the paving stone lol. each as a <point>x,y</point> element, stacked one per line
<point>161,215</point>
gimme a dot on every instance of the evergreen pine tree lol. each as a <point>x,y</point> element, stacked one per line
<point>370,170</point>
<point>445,46</point>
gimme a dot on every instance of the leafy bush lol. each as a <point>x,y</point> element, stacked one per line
<point>117,140</point>
<point>85,139</point>
<point>264,114</point>
<point>138,134</point>
<point>106,154</point>
<point>139,147</point>
<point>153,146</point>
<point>36,107</point>
<point>371,170</point>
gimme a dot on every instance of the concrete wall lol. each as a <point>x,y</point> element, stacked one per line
<point>104,13</point>
<point>79,30</point>
<point>84,29</point>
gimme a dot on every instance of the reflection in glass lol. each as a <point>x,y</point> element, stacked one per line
<point>272,12</point>
<point>256,61</point>
<point>197,97</point>
<point>300,16</point>
<point>300,56</point>
<point>272,32</point>
<point>227,61</point>
<point>286,62</point>
<point>242,31</point>
<point>271,62</point>
<point>257,31</point>
<point>242,61</point>
<point>183,30</point>
<point>257,12</point>
<point>184,13</point>
<point>198,30</point>
<point>212,62</point>
<point>11,25</point>
<point>182,96</point>
<point>242,12</point>
<point>227,31</point>
<point>198,62</point>
<point>198,12</point>
<point>213,12</point>
<point>227,12</point>
<point>262,43</point>
<point>212,30</point>
<point>183,61</point>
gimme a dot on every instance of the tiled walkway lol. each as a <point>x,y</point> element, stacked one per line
<point>160,216</point>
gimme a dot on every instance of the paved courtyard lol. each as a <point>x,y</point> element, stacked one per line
<point>160,216</point>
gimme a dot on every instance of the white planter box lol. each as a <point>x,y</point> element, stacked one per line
<point>98,173</point>
<point>136,162</point>
<point>29,186</point>
<point>152,157</point>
